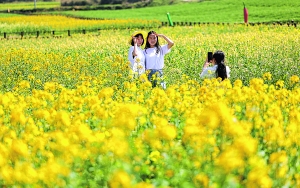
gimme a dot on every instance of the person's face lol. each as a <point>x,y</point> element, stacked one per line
<point>213,61</point>
<point>152,39</point>
<point>139,40</point>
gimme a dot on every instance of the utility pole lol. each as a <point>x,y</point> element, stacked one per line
<point>34,4</point>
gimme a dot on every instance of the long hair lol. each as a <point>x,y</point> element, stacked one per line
<point>219,57</point>
<point>137,35</point>
<point>148,44</point>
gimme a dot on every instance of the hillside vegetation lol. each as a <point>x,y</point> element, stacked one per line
<point>226,11</point>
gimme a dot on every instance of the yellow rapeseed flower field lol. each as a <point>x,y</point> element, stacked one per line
<point>42,23</point>
<point>71,115</point>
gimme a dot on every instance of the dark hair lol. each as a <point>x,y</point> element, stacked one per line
<point>148,44</point>
<point>137,35</point>
<point>219,57</point>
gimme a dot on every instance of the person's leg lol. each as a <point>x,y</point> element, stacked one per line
<point>162,81</point>
<point>163,84</point>
<point>152,77</point>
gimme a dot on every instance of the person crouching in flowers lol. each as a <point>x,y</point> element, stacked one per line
<point>218,68</point>
<point>135,54</point>
<point>154,55</point>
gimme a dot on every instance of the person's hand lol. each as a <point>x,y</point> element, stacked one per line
<point>158,35</point>
<point>206,64</point>
<point>134,40</point>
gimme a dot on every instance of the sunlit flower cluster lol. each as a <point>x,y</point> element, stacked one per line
<point>55,132</point>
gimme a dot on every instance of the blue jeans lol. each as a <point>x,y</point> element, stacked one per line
<point>153,75</point>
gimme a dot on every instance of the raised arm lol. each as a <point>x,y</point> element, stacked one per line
<point>204,69</point>
<point>134,53</point>
<point>169,41</point>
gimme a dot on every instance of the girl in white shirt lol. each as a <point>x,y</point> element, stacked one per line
<point>218,68</point>
<point>135,54</point>
<point>154,55</point>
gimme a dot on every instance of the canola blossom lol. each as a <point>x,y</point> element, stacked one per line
<point>192,133</point>
<point>41,23</point>
<point>72,115</point>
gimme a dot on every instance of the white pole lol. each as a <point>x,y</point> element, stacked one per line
<point>34,4</point>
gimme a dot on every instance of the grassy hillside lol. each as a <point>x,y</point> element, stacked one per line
<point>29,5</point>
<point>228,11</point>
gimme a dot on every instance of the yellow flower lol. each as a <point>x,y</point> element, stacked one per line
<point>84,132</point>
<point>36,68</point>
<point>120,179</point>
<point>230,159</point>
<point>126,116</point>
<point>281,172</point>
<point>29,177</point>
<point>139,67</point>
<point>38,81</point>
<point>201,180</point>
<point>164,130</point>
<point>279,157</point>
<point>137,60</point>
<point>50,86</point>
<point>257,84</point>
<point>279,84</point>
<point>167,132</point>
<point>17,116</point>
<point>31,77</point>
<point>258,177</point>
<point>7,173</point>
<point>150,136</point>
<point>216,115</point>
<point>294,79</point>
<point>106,93</point>
<point>275,135</point>
<point>144,185</point>
<point>247,145</point>
<point>267,76</point>
<point>42,114</point>
<point>63,118</point>
<point>297,177</point>
<point>238,108</point>
<point>238,83</point>
<point>24,84</point>
<point>117,143</point>
<point>154,156</point>
<point>5,99</point>
<point>19,147</point>
<point>143,78</point>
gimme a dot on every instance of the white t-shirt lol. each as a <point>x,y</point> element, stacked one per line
<point>210,72</point>
<point>153,60</point>
<point>137,62</point>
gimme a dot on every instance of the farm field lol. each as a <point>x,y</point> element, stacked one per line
<point>73,115</point>
<point>226,11</point>
<point>28,5</point>
<point>243,45</point>
<point>223,11</point>
<point>29,25</point>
